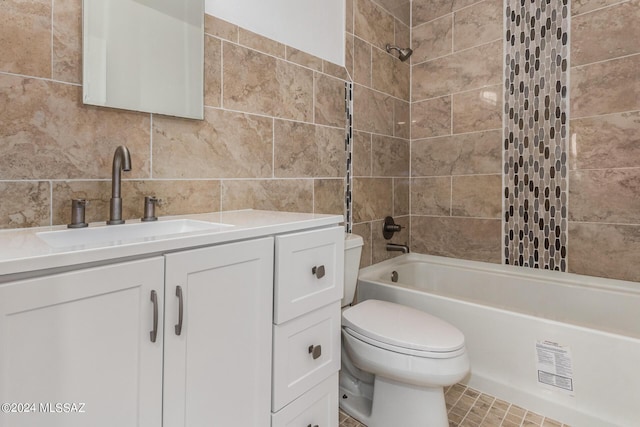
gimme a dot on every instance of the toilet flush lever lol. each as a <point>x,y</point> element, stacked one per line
<point>315,351</point>
<point>318,271</point>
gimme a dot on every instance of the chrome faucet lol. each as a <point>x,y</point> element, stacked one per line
<point>121,162</point>
<point>394,247</point>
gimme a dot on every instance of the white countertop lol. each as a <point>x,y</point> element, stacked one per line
<point>22,251</point>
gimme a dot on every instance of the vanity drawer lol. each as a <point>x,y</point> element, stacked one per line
<point>309,272</point>
<point>317,407</point>
<point>306,351</point>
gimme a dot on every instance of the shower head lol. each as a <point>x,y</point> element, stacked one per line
<point>403,54</point>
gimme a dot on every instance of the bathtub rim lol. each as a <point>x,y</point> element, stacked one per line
<point>548,282</point>
<point>372,273</point>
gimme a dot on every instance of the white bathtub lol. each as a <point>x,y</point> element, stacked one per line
<point>505,311</point>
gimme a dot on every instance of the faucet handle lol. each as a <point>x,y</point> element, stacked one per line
<point>77,214</point>
<point>150,208</point>
<point>390,227</point>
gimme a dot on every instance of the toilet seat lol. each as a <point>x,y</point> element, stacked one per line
<point>402,329</point>
<point>403,350</point>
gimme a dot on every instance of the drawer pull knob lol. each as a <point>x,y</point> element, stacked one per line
<point>318,271</point>
<point>315,351</point>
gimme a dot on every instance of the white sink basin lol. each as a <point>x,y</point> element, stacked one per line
<point>110,235</point>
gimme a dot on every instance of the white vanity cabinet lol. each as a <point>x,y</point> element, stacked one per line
<point>217,359</point>
<point>83,338</point>
<point>182,335</point>
<point>308,288</point>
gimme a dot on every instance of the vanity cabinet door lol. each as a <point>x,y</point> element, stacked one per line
<point>218,358</point>
<point>76,349</point>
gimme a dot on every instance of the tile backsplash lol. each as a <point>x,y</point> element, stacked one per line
<point>272,137</point>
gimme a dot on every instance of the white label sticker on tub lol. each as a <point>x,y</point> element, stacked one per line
<point>554,366</point>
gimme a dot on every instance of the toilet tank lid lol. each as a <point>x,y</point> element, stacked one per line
<point>352,241</point>
<point>402,326</point>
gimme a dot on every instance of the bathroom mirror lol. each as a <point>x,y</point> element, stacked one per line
<point>144,55</point>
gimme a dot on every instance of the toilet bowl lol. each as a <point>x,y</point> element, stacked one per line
<point>396,360</point>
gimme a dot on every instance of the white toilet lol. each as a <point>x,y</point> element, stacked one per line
<point>396,360</point>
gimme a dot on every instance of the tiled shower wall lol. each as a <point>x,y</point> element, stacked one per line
<point>456,113</point>
<point>604,161</point>
<point>456,149</point>
<point>272,137</point>
<point>380,122</point>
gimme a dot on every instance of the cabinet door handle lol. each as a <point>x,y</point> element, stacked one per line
<point>315,351</point>
<point>313,425</point>
<point>154,332</point>
<point>178,327</point>
<point>318,271</point>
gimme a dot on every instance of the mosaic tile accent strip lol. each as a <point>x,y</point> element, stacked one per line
<point>348,147</point>
<point>536,126</point>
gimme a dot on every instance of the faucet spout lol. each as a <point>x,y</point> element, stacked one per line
<point>121,162</point>
<point>394,247</point>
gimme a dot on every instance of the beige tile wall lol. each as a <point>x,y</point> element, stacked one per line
<point>380,121</point>
<point>456,137</point>
<point>604,179</point>
<point>273,133</point>
<point>272,136</point>
<point>456,120</point>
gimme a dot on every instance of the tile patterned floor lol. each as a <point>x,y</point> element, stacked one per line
<point>470,408</point>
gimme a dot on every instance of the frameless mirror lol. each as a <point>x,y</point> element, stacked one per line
<point>144,55</point>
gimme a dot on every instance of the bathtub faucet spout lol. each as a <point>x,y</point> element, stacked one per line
<point>394,247</point>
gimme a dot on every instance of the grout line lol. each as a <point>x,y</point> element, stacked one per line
<point>630,224</point>
<point>453,35</point>
<point>460,51</point>
<point>313,96</point>
<point>490,406</point>
<point>274,56</point>
<point>606,60</point>
<point>221,75</point>
<point>455,134</point>
<point>595,116</point>
<point>451,197</point>
<point>52,13</point>
<point>458,399</point>
<point>381,92</point>
<point>276,117</point>
<point>475,3</point>
<point>504,417</point>
<point>624,168</point>
<point>24,76</point>
<point>601,8</point>
<point>273,148</point>
<point>50,203</point>
<point>456,93</point>
<point>427,176</point>
<point>471,407</point>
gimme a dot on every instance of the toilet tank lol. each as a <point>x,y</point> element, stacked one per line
<point>352,251</point>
